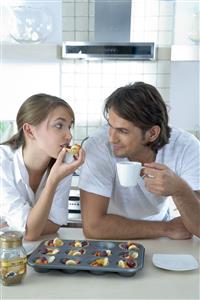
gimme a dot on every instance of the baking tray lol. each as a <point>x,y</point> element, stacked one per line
<point>97,257</point>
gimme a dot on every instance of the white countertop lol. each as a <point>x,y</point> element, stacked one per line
<point>149,283</point>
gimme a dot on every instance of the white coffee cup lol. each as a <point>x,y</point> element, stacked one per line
<point>129,172</point>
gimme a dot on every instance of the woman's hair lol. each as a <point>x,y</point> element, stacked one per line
<point>141,104</point>
<point>34,110</point>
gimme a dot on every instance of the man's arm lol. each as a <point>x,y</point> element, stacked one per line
<point>188,204</point>
<point>162,181</point>
<point>97,224</point>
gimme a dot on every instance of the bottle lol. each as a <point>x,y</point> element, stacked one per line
<point>12,258</point>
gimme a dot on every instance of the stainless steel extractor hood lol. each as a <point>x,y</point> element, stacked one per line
<point>112,36</point>
<point>100,50</point>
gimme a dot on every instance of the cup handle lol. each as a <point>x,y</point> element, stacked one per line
<point>150,176</point>
<point>142,172</point>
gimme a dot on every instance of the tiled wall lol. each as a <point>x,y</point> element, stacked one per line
<point>86,84</point>
<point>78,20</point>
<point>153,20</point>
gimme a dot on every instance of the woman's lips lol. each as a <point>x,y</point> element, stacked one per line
<point>65,145</point>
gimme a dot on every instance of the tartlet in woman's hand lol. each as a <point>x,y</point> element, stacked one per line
<point>74,149</point>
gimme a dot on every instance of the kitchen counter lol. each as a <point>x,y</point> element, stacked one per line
<point>149,283</point>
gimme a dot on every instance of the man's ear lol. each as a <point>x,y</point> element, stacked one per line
<point>28,131</point>
<point>153,133</point>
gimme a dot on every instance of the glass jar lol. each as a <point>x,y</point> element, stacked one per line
<point>12,258</point>
<point>29,24</point>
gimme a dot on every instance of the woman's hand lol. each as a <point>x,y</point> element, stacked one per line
<point>62,169</point>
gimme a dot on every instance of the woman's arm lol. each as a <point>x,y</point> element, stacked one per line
<point>40,212</point>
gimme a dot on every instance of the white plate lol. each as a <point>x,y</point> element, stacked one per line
<point>175,262</point>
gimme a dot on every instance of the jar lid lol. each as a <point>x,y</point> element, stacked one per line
<point>11,239</point>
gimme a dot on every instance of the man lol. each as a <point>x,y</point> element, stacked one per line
<point>138,130</point>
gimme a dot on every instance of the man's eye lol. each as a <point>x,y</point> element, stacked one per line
<point>124,131</point>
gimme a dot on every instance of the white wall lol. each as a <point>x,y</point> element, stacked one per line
<point>19,81</point>
<point>185,68</point>
<point>187,22</point>
<point>185,95</point>
<point>87,84</point>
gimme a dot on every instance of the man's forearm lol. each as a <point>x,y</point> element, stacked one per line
<point>188,204</point>
<point>116,227</point>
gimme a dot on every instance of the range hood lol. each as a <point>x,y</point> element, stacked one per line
<point>112,36</point>
<point>100,50</point>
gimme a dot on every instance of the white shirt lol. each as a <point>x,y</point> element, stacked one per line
<point>98,175</point>
<point>17,197</point>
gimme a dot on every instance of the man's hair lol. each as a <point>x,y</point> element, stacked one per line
<point>141,104</point>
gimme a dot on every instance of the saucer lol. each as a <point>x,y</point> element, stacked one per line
<point>175,262</point>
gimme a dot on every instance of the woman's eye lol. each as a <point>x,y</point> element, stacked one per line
<point>59,126</point>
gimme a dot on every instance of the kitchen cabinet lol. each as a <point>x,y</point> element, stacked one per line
<point>184,93</point>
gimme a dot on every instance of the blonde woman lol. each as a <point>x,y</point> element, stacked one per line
<point>35,180</point>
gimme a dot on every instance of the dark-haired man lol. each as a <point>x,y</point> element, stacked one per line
<point>138,130</point>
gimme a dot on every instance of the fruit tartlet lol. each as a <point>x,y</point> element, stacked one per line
<point>76,252</point>
<point>54,243</point>
<point>79,244</point>
<point>100,262</point>
<point>103,253</point>
<point>127,264</point>
<point>70,262</point>
<point>44,260</point>
<point>128,245</point>
<point>74,149</point>
<point>49,251</point>
<point>130,254</point>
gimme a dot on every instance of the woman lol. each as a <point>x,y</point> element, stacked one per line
<point>35,180</point>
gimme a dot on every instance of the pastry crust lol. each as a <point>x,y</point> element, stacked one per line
<point>74,149</point>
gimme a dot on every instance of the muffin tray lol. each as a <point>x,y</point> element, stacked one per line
<point>97,257</point>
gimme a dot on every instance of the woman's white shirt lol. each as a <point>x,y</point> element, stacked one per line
<point>17,197</point>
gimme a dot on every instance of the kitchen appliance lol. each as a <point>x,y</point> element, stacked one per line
<point>99,50</point>
<point>74,209</point>
<point>112,30</point>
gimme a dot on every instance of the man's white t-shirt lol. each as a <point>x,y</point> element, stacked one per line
<point>17,197</point>
<point>98,175</point>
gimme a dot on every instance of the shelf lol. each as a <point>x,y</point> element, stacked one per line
<point>22,53</point>
<point>185,53</point>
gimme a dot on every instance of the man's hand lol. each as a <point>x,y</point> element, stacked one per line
<point>161,181</point>
<point>177,230</point>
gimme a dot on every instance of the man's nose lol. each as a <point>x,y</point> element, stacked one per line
<point>112,135</point>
